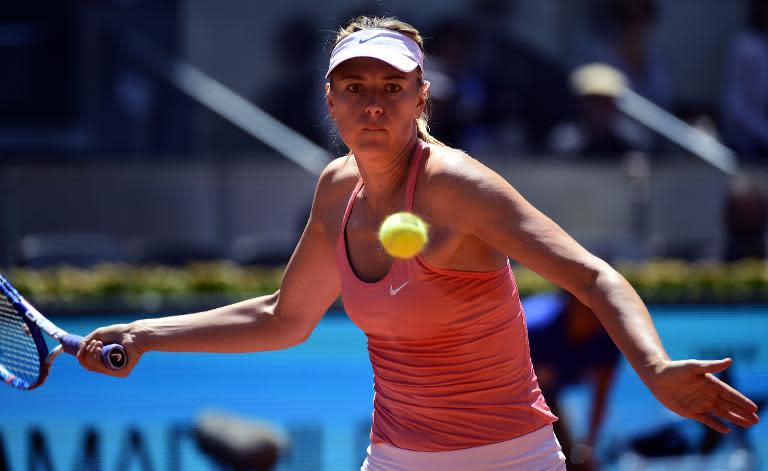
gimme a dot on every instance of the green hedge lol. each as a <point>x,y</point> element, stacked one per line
<point>708,282</point>
<point>142,285</point>
<point>657,282</point>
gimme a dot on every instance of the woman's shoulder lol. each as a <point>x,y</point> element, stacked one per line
<point>454,171</point>
<point>340,170</point>
<point>336,182</point>
<point>338,176</point>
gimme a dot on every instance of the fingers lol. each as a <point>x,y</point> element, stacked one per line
<point>723,392</point>
<point>730,394</point>
<point>90,352</point>
<point>712,423</point>
<point>716,400</point>
<point>734,399</point>
<point>712,366</point>
<point>693,391</point>
<point>727,414</point>
<point>745,418</point>
<point>742,405</point>
<point>93,355</point>
<point>94,361</point>
<point>84,354</point>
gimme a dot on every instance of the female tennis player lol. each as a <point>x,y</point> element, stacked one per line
<point>454,385</point>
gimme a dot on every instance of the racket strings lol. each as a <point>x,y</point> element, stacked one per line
<point>18,352</point>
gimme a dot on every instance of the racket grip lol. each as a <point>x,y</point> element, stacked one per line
<point>113,356</point>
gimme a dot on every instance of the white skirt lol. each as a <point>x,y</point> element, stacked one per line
<point>536,451</point>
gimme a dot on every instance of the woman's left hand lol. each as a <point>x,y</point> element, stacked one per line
<point>689,388</point>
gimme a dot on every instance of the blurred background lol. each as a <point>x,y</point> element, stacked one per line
<point>142,173</point>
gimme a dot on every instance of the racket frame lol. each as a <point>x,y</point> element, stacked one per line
<point>37,323</point>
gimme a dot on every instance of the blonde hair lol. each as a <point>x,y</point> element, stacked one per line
<point>370,22</point>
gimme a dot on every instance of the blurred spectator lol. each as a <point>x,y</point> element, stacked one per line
<point>528,91</point>
<point>4,460</point>
<point>237,443</point>
<point>745,104</point>
<point>38,57</point>
<point>458,91</point>
<point>138,111</point>
<point>361,8</point>
<point>40,456</point>
<point>600,130</point>
<point>569,346</point>
<point>78,249</point>
<point>627,31</point>
<point>295,95</point>
<point>746,219</point>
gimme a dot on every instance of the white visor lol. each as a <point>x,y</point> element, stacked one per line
<point>392,47</point>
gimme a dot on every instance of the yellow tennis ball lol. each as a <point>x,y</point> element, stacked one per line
<point>403,234</point>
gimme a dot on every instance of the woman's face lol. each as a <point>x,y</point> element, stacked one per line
<point>375,105</point>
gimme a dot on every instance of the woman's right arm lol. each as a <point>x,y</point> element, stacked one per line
<point>286,318</point>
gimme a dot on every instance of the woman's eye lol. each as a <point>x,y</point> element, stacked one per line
<point>393,88</point>
<point>354,88</point>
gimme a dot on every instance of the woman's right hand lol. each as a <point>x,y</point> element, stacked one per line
<point>89,353</point>
<point>690,389</point>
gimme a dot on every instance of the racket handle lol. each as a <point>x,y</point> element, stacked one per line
<point>113,356</point>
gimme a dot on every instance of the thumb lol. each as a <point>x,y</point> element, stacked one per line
<point>712,366</point>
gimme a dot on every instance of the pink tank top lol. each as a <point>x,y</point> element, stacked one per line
<point>449,350</point>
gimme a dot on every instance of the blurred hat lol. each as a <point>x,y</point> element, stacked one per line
<point>598,79</point>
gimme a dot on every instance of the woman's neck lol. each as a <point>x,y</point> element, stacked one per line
<point>384,176</point>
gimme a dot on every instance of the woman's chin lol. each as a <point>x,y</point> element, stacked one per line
<point>375,140</point>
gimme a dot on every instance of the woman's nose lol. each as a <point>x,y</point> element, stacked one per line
<point>374,108</point>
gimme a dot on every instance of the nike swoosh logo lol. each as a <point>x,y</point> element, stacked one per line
<point>394,291</point>
<point>364,40</point>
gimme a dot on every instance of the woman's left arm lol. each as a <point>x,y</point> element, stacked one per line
<point>496,213</point>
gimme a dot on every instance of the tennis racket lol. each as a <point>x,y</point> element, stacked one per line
<point>24,356</point>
